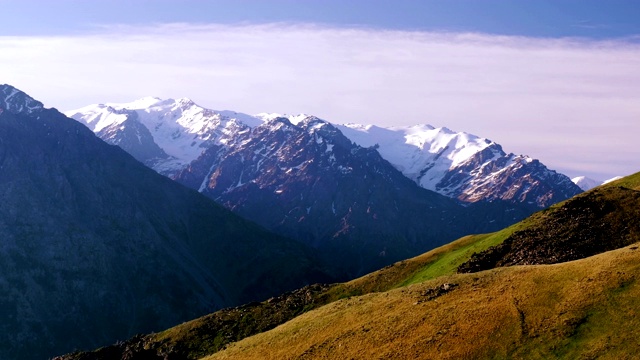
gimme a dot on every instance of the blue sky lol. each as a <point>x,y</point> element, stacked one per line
<point>556,80</point>
<point>539,18</point>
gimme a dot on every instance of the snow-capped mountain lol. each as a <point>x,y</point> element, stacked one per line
<point>316,182</point>
<point>463,166</point>
<point>165,135</point>
<point>311,183</point>
<point>168,135</point>
<point>586,183</point>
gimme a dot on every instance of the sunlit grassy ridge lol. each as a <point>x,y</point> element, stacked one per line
<point>586,308</point>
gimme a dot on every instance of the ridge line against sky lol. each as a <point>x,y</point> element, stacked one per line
<point>571,102</point>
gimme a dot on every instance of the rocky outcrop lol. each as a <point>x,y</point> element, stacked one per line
<point>600,220</point>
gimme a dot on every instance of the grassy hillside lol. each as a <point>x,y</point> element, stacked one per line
<point>629,182</point>
<point>586,308</point>
<point>384,293</point>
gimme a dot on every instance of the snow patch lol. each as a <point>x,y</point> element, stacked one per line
<point>586,183</point>
<point>180,127</point>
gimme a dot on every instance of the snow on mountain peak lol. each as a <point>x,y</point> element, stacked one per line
<point>16,101</point>
<point>294,119</point>
<point>586,183</point>
<point>422,152</point>
<point>180,127</point>
<point>141,103</point>
<point>455,164</point>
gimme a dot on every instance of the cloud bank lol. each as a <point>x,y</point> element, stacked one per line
<point>572,103</point>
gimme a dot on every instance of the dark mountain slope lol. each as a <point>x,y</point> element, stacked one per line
<point>95,247</point>
<point>309,182</point>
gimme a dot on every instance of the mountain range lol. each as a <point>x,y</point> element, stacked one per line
<point>458,165</point>
<point>363,196</point>
<point>96,247</point>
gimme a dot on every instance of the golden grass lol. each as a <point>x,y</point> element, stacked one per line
<point>581,309</point>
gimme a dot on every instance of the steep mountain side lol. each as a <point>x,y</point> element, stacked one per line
<point>170,133</point>
<point>345,200</point>
<point>96,247</point>
<point>464,166</point>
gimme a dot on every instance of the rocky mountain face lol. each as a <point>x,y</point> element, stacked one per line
<point>311,183</point>
<point>597,221</point>
<point>458,165</point>
<point>464,166</point>
<point>165,135</point>
<point>95,247</point>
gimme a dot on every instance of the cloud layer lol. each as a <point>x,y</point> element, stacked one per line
<point>572,103</point>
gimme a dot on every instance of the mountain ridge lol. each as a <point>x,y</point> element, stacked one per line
<point>327,191</point>
<point>458,165</point>
<point>97,247</point>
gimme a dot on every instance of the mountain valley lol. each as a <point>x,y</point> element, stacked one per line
<point>429,307</point>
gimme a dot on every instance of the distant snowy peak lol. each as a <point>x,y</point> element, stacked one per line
<point>463,166</point>
<point>586,183</point>
<point>422,152</point>
<point>180,128</point>
<point>168,135</point>
<point>16,101</point>
<point>612,179</point>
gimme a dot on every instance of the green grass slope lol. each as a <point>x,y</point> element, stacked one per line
<point>581,309</point>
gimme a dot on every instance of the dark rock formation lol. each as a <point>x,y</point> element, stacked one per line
<point>597,221</point>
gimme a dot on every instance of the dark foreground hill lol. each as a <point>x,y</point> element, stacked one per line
<point>95,247</point>
<point>421,307</point>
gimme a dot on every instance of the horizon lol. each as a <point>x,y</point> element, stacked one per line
<point>555,80</point>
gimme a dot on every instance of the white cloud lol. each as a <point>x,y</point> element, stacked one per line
<point>571,103</point>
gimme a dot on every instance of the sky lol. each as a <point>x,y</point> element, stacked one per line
<point>556,80</point>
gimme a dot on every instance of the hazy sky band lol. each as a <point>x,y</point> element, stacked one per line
<point>572,103</point>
